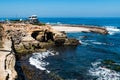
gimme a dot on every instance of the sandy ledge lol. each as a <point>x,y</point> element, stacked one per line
<point>70,29</point>
<point>80,29</point>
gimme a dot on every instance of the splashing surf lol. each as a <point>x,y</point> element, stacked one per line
<point>112,30</point>
<point>103,73</point>
<point>37,59</point>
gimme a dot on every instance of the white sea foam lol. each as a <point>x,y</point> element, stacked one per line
<point>37,59</point>
<point>103,73</point>
<point>112,30</point>
<point>57,23</point>
<point>86,42</point>
<point>83,43</point>
<point>99,43</point>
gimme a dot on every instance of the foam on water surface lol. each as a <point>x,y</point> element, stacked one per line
<point>103,73</point>
<point>37,59</point>
<point>87,42</point>
<point>112,30</point>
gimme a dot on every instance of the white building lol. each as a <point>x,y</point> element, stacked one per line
<point>33,19</point>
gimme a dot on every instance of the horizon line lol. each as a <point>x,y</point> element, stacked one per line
<point>64,17</point>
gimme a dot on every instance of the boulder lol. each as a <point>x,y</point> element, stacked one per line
<point>59,39</point>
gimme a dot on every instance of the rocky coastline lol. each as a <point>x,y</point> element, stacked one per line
<point>28,38</point>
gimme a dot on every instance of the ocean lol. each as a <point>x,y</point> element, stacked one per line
<point>97,58</point>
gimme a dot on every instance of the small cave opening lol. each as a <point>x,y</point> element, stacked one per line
<point>42,36</point>
<point>49,36</point>
<point>35,34</point>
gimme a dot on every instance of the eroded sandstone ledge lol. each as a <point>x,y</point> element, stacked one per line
<point>80,28</point>
<point>30,38</point>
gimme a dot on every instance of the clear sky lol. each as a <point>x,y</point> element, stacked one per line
<point>60,8</point>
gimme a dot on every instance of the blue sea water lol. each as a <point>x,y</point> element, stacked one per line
<point>84,61</point>
<point>84,21</point>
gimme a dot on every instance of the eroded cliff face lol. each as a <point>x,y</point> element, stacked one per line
<point>30,38</point>
<point>10,66</point>
<point>7,62</point>
<point>7,57</point>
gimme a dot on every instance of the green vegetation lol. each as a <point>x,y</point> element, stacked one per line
<point>28,48</point>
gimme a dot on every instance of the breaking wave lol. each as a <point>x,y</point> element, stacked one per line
<point>87,42</point>
<point>37,59</point>
<point>112,30</point>
<point>103,73</point>
<point>57,23</point>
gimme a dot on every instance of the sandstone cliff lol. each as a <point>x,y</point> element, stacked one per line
<point>7,62</point>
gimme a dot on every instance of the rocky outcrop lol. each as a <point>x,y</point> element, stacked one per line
<point>80,28</point>
<point>7,62</point>
<point>98,30</point>
<point>110,64</point>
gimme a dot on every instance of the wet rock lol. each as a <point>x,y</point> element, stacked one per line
<point>59,42</point>
<point>98,30</point>
<point>71,42</point>
<point>31,73</point>
<point>111,65</point>
<point>30,47</point>
<point>108,62</point>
